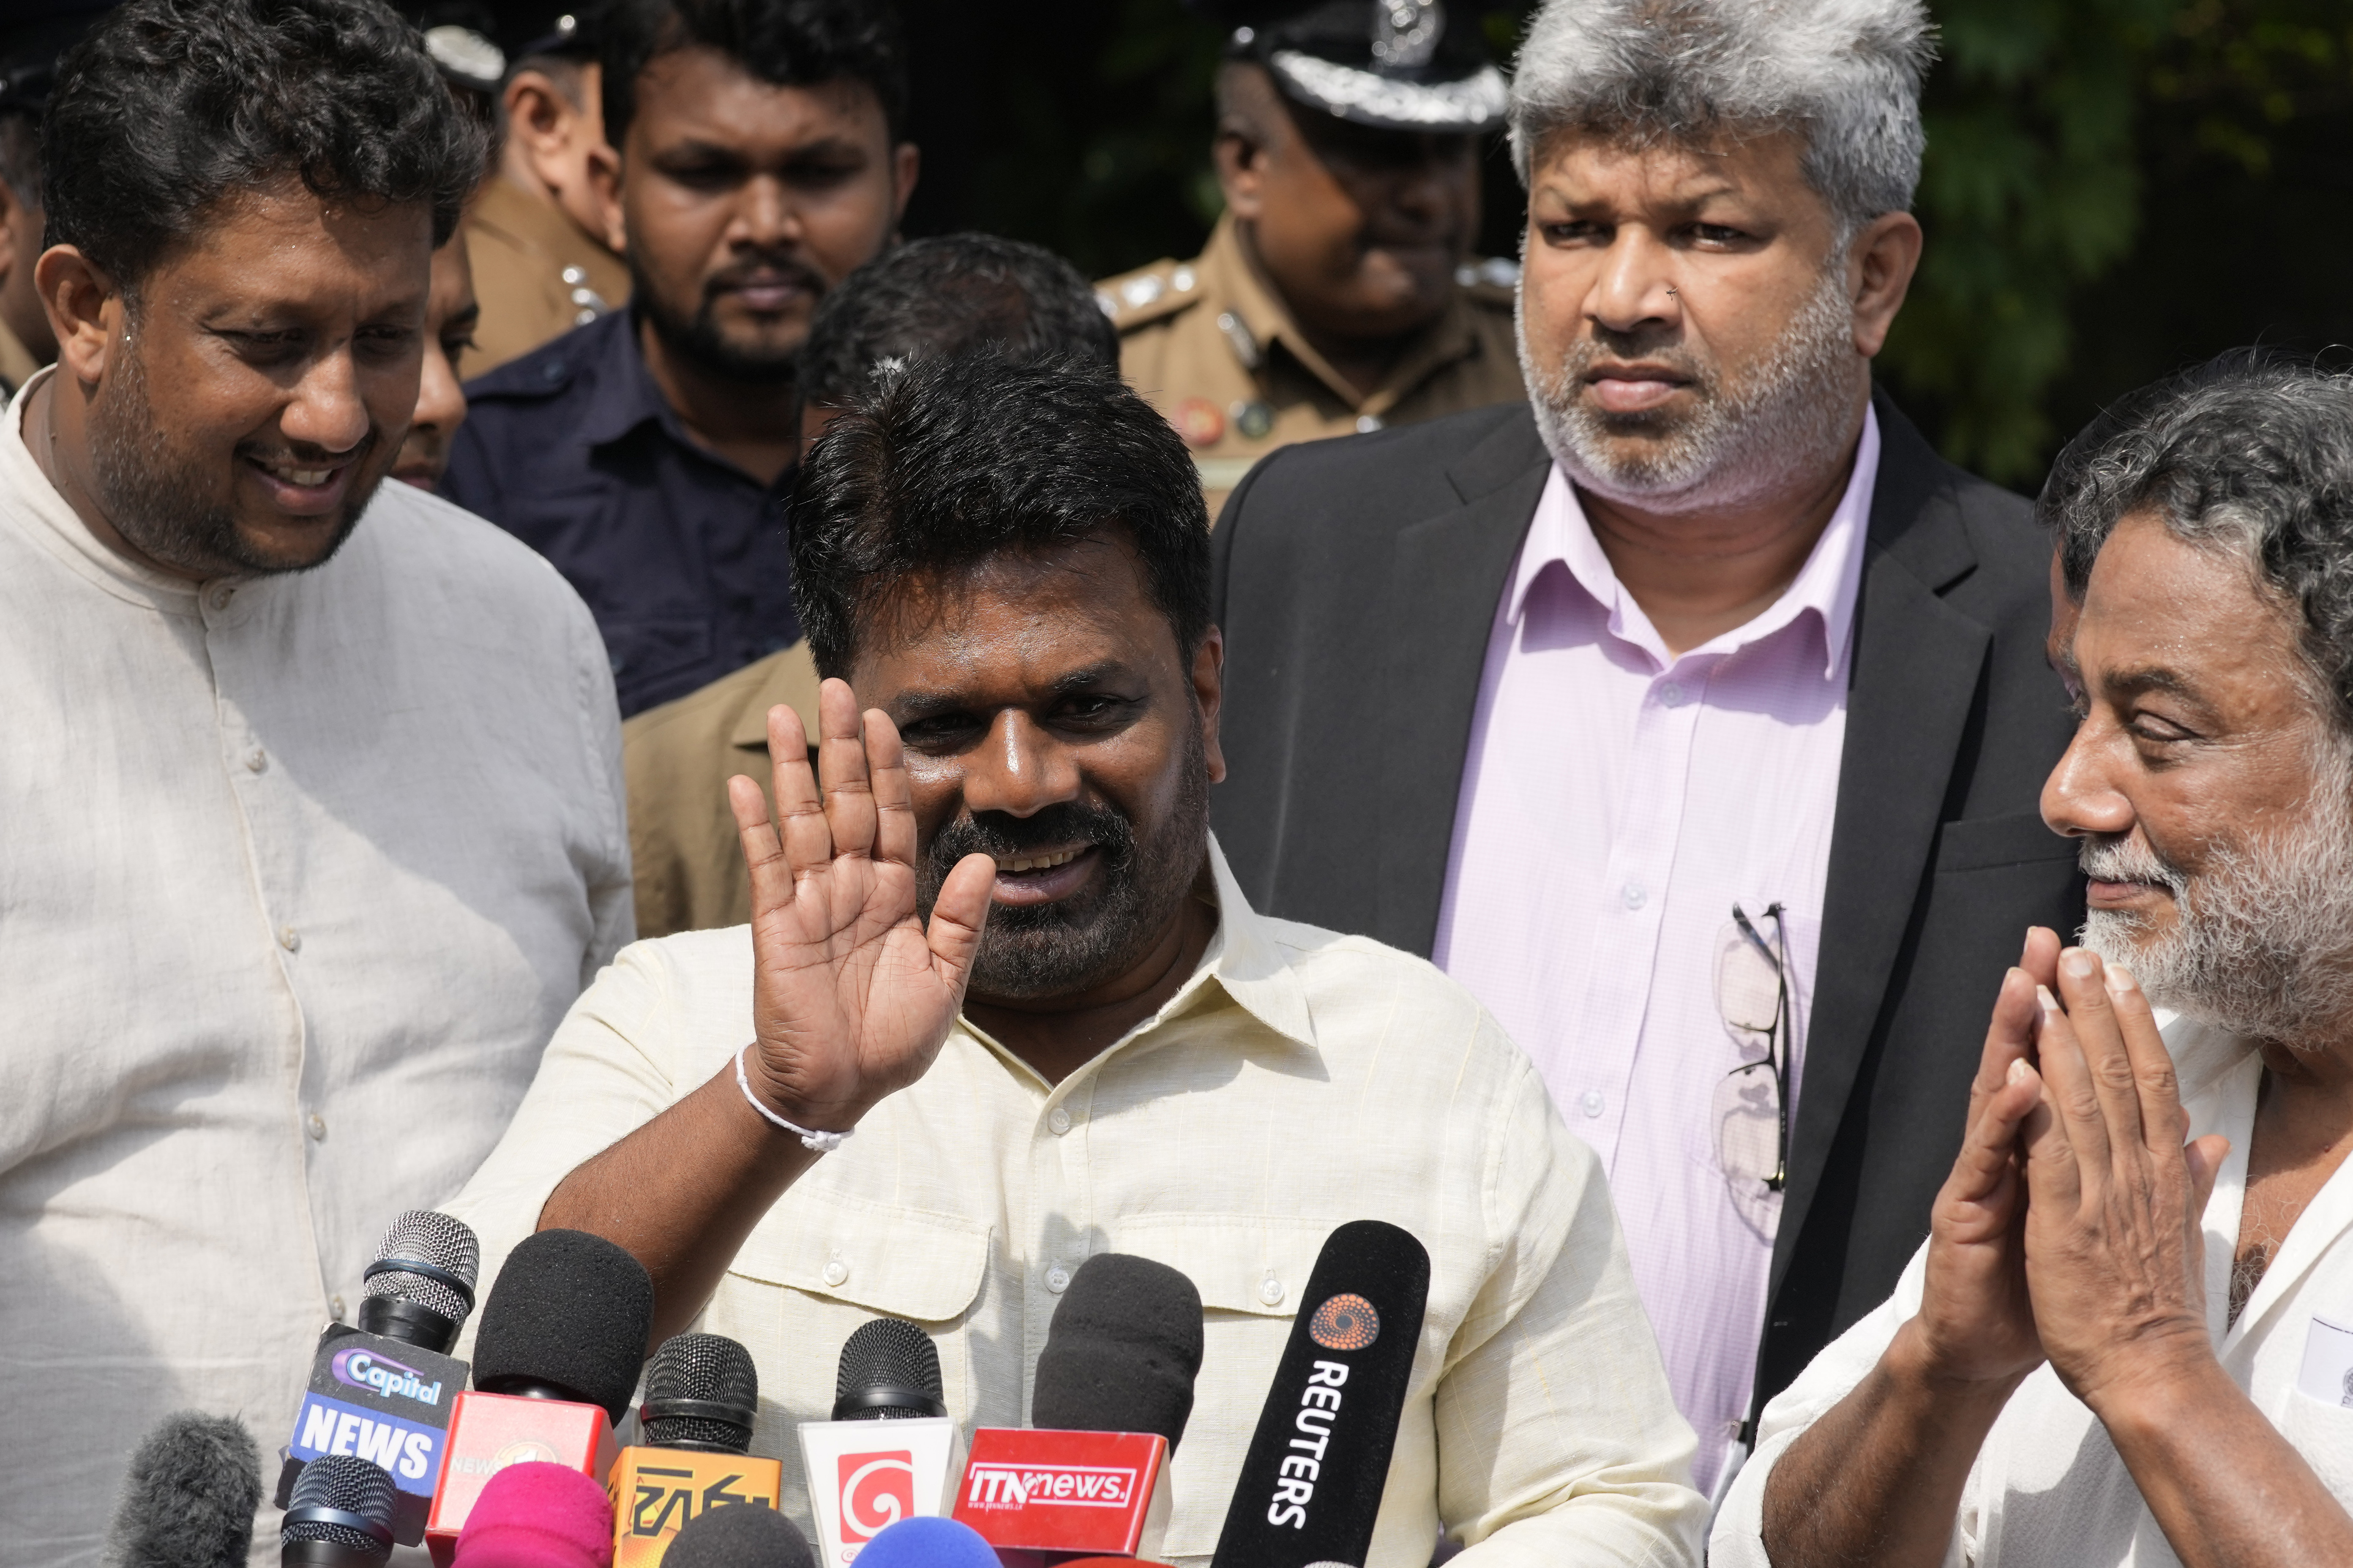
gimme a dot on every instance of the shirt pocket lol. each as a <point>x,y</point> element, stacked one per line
<point>1257,1266</point>
<point>2323,1434</point>
<point>902,1262</point>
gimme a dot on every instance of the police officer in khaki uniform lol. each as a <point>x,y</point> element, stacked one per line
<point>1337,293</point>
<point>534,232</point>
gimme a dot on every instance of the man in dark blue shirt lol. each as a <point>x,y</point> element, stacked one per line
<point>649,454</point>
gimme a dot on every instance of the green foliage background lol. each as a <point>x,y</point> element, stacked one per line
<point>2113,187</point>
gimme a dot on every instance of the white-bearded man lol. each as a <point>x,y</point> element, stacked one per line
<point>2126,1340</point>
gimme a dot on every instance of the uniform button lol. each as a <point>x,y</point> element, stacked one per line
<point>335,1308</point>
<point>1634,896</point>
<point>318,1126</point>
<point>290,939</point>
<point>576,275</point>
<point>1367,423</point>
<point>1592,1104</point>
<point>1059,1120</point>
<point>1058,1279</point>
<point>836,1272</point>
<point>1672,695</point>
<point>1183,279</point>
<point>220,598</point>
<point>1270,1290</point>
<point>1141,291</point>
<point>258,760</point>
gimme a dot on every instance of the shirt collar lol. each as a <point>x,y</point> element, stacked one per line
<point>1826,585</point>
<point>61,530</point>
<point>625,395</point>
<point>1243,959</point>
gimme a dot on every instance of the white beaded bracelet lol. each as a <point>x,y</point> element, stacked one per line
<point>823,1142</point>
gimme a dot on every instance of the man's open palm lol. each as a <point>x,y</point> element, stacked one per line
<point>851,996</point>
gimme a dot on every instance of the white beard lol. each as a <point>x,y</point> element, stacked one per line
<point>2262,944</point>
<point>1749,437</point>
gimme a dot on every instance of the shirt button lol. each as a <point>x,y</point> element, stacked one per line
<point>220,598</point>
<point>318,1126</point>
<point>1593,1102</point>
<point>1059,1120</point>
<point>1634,895</point>
<point>576,275</point>
<point>257,759</point>
<point>1367,423</point>
<point>836,1272</point>
<point>1058,1279</point>
<point>1672,695</point>
<point>290,939</point>
<point>335,1308</point>
<point>1270,1290</point>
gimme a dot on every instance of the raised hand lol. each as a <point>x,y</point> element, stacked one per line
<point>2114,1251</point>
<point>1976,1324</point>
<point>852,995</point>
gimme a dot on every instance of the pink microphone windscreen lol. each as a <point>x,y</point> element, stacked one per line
<point>536,1515</point>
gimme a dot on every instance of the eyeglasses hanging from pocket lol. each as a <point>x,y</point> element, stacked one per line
<point>1748,1115</point>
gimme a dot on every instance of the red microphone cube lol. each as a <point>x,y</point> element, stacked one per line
<point>1066,1493</point>
<point>488,1432</point>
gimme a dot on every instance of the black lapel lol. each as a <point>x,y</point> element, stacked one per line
<point>1446,576</point>
<point>1914,676</point>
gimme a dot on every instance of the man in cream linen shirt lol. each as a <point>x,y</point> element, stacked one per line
<point>2117,1346</point>
<point>303,850</point>
<point>1010,563</point>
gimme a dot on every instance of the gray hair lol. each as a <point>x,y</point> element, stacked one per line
<point>1844,74</point>
<point>2251,453</point>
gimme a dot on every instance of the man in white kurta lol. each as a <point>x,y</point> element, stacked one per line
<point>297,874</point>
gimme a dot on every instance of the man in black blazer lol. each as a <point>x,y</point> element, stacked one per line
<point>1359,584</point>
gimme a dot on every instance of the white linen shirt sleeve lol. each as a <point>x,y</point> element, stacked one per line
<point>612,906</point>
<point>1558,1443</point>
<point>1737,1540</point>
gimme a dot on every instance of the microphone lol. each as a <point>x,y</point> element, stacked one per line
<point>1112,1393</point>
<point>189,1496</point>
<point>1311,1480</point>
<point>739,1537</point>
<point>702,1394</point>
<point>890,1453</point>
<point>383,1391</point>
<point>932,1544</point>
<point>555,1359</point>
<point>341,1516</point>
<point>538,1515</point>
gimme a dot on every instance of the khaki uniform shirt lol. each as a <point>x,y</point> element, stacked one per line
<point>678,759</point>
<point>535,273</point>
<point>1298,1079</point>
<point>1209,344</point>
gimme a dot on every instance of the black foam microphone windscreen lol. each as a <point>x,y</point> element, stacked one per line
<point>567,1319</point>
<point>739,1535</point>
<point>189,1496</point>
<point>1310,1483</point>
<point>340,1515</point>
<point>1122,1351</point>
<point>702,1394</point>
<point>890,1369</point>
<point>420,1288</point>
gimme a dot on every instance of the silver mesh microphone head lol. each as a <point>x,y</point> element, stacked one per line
<point>344,1501</point>
<point>441,1243</point>
<point>702,1392</point>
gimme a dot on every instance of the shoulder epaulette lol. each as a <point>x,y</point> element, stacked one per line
<point>1489,279</point>
<point>1148,294</point>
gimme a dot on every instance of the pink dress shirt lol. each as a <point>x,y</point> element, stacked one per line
<point>1616,802</point>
